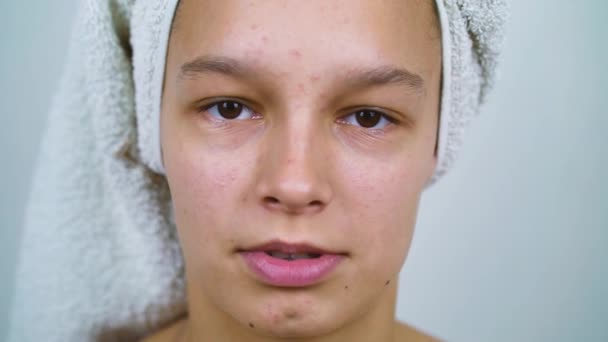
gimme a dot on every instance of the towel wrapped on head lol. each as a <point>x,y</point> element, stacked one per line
<point>100,260</point>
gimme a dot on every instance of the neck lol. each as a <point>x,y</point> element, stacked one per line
<point>205,322</point>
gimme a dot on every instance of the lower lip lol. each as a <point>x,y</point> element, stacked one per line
<point>295,273</point>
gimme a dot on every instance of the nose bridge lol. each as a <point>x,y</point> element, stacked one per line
<point>293,177</point>
<point>295,144</point>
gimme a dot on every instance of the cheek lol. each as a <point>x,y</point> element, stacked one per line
<point>206,190</point>
<point>384,201</point>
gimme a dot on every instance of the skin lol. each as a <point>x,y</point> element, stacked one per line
<point>298,169</point>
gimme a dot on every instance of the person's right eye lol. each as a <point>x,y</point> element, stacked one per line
<point>229,110</point>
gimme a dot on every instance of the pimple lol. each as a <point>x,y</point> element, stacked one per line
<point>253,27</point>
<point>264,39</point>
<point>301,87</point>
<point>295,53</point>
<point>315,78</point>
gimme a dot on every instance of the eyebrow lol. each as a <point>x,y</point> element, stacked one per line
<point>383,75</point>
<point>359,77</point>
<point>216,64</point>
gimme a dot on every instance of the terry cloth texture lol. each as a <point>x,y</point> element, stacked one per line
<point>100,260</point>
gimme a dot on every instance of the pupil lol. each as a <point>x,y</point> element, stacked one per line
<point>230,109</point>
<point>368,118</point>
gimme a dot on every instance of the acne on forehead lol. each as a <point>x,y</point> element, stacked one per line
<point>435,32</point>
<point>255,43</point>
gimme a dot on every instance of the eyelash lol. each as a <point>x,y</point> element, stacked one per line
<point>384,118</point>
<point>208,108</point>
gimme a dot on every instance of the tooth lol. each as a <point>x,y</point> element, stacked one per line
<point>292,256</point>
<point>280,255</point>
<point>301,256</point>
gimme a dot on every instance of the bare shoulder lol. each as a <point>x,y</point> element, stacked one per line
<point>405,332</point>
<point>170,333</point>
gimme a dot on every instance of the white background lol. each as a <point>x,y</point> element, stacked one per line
<point>512,245</point>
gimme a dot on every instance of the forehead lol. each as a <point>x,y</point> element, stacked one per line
<point>317,34</point>
<point>323,8</point>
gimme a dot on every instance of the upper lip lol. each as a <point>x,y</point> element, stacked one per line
<point>288,248</point>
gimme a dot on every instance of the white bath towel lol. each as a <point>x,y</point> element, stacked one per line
<point>100,260</point>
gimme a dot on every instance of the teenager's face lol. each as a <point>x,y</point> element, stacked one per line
<point>301,122</point>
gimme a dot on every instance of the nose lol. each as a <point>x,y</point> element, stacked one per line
<point>293,175</point>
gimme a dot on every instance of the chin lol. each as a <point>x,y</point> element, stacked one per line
<point>293,319</point>
<point>299,328</point>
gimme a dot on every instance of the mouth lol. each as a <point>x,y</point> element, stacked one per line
<point>292,256</point>
<point>289,251</point>
<point>285,264</point>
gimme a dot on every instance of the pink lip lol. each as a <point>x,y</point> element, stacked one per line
<point>295,273</point>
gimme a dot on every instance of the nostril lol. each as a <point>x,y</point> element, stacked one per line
<point>315,203</point>
<point>275,203</point>
<point>271,200</point>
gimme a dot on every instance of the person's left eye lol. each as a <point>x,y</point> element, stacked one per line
<point>229,110</point>
<point>368,118</point>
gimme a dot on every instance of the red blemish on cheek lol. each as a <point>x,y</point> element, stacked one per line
<point>301,87</point>
<point>295,54</point>
<point>315,78</point>
<point>264,39</point>
<point>253,27</point>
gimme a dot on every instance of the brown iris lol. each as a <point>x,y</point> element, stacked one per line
<point>229,109</point>
<point>368,118</point>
